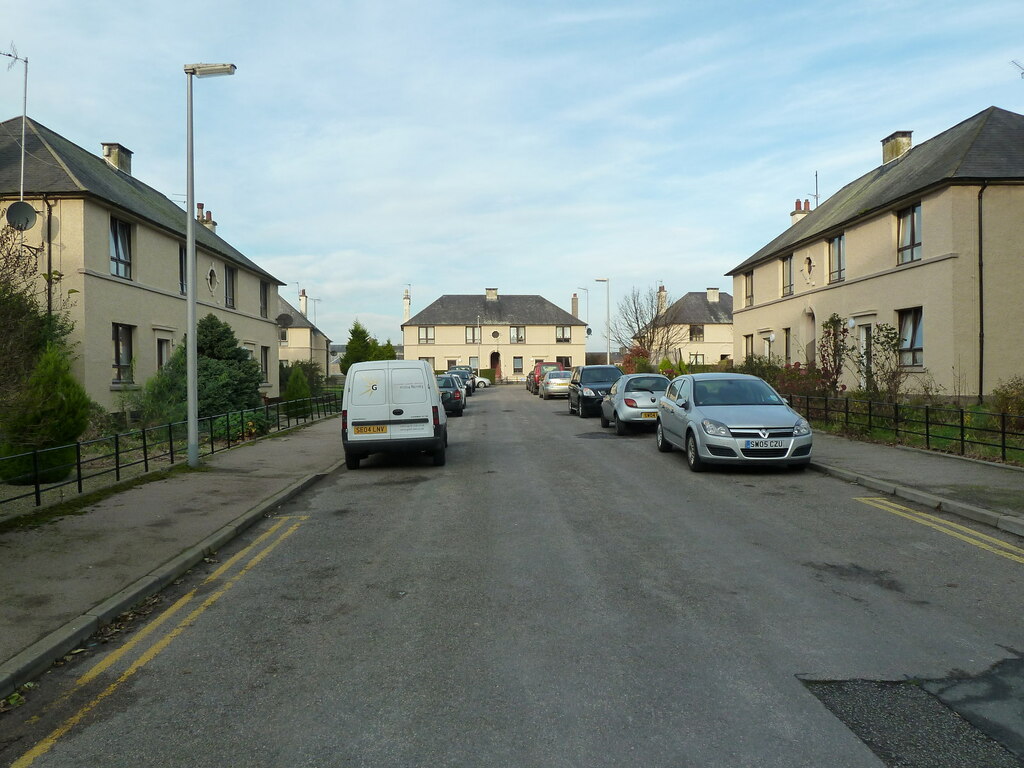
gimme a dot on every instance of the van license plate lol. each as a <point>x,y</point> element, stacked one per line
<point>376,429</point>
<point>765,444</point>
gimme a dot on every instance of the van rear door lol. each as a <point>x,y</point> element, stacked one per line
<point>368,412</point>
<point>411,414</point>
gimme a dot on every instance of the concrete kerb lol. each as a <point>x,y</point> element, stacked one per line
<point>1009,523</point>
<point>38,657</point>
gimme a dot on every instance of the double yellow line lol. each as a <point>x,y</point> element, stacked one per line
<point>962,532</point>
<point>274,535</point>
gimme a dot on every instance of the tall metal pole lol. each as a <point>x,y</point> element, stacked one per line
<point>191,350</point>
<point>607,316</point>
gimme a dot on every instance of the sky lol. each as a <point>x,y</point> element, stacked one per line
<point>366,147</point>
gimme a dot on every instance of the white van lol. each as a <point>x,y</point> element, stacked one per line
<point>391,406</point>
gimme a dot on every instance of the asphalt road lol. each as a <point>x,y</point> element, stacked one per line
<point>559,596</point>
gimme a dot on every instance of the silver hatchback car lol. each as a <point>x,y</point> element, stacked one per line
<point>731,418</point>
<point>633,399</point>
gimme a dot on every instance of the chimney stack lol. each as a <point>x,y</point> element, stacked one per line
<point>205,217</point>
<point>575,306</point>
<point>799,211</point>
<point>712,295</point>
<point>303,302</point>
<point>662,299</point>
<point>406,306</point>
<point>492,294</point>
<point>896,145</point>
<point>118,156</point>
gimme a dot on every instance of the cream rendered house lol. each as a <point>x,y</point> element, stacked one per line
<point>505,333</point>
<point>121,245</point>
<point>699,328</point>
<point>299,338</point>
<point>930,242</point>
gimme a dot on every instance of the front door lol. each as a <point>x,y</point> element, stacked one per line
<point>496,365</point>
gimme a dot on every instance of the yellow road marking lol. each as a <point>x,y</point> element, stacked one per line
<point>47,743</point>
<point>957,531</point>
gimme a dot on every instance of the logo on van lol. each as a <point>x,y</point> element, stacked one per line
<point>371,388</point>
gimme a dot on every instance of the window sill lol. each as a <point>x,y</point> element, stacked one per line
<point>124,386</point>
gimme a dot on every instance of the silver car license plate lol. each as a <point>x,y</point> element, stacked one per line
<point>765,444</point>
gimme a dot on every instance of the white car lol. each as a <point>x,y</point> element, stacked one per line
<point>480,382</point>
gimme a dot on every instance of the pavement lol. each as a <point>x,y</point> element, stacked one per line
<point>65,579</point>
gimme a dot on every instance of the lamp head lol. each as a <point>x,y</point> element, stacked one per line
<point>210,70</point>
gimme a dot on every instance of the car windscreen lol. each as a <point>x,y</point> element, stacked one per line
<point>734,392</point>
<point>647,384</point>
<point>445,382</point>
<point>602,373</point>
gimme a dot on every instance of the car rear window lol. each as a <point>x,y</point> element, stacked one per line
<point>647,384</point>
<point>560,374</point>
<point>602,373</point>
<point>445,381</point>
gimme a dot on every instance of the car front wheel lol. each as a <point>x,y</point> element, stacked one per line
<point>659,439</point>
<point>693,459</point>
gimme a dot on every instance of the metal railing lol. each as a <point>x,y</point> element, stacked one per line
<point>965,431</point>
<point>88,465</point>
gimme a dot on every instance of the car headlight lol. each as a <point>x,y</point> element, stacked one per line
<point>588,392</point>
<point>716,428</point>
<point>802,428</point>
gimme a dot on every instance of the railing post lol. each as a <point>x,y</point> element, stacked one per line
<point>78,465</point>
<point>145,451</point>
<point>869,416</point>
<point>963,437</point>
<point>170,440</point>
<point>927,428</point>
<point>227,419</point>
<point>35,476</point>
<point>846,412</point>
<point>117,456</point>
<point>1002,435</point>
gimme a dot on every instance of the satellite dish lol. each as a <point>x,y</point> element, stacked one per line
<point>589,330</point>
<point>495,334</point>
<point>21,216</point>
<point>285,320</point>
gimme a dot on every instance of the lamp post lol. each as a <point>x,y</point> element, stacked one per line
<point>191,350</point>
<point>607,315</point>
<point>587,290</point>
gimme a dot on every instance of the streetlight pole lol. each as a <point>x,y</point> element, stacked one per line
<point>587,290</point>
<point>607,316</point>
<point>191,350</point>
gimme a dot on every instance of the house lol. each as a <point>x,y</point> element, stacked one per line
<point>505,333</point>
<point>930,243</point>
<point>299,338</point>
<point>120,244</point>
<point>698,328</point>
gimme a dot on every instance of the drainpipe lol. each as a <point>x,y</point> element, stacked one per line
<point>981,294</point>
<point>49,256</point>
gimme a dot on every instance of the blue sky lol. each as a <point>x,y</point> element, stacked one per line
<point>450,146</point>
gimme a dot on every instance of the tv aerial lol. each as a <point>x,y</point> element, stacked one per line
<point>1019,66</point>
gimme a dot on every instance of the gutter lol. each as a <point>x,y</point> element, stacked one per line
<point>981,293</point>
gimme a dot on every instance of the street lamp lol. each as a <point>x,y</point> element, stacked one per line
<point>581,288</point>
<point>607,316</point>
<point>191,353</point>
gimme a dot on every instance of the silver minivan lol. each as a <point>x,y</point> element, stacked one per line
<point>392,406</point>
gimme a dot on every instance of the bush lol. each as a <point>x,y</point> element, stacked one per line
<point>244,425</point>
<point>1008,398</point>
<point>296,395</point>
<point>53,412</point>
<point>801,380</point>
<point>767,368</point>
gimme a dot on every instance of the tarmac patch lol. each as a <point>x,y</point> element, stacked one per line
<point>858,575</point>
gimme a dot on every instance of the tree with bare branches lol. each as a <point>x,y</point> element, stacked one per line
<point>642,323</point>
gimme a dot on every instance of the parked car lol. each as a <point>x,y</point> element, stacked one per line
<point>451,394</point>
<point>466,374</point>
<point>554,384</point>
<point>731,418</point>
<point>457,378</point>
<point>481,382</point>
<point>588,386</point>
<point>539,369</point>
<point>392,406</point>
<point>633,399</point>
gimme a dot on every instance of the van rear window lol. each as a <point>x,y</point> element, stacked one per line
<point>408,385</point>
<point>368,387</point>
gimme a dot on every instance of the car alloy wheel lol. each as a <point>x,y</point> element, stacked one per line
<point>693,459</point>
<point>659,439</point>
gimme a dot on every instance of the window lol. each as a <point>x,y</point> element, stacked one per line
<point>517,334</point>
<point>565,361</point>
<point>120,248</point>
<point>451,363</point>
<point>787,275</point>
<point>696,333</point>
<point>748,346</point>
<point>264,298</point>
<point>122,336</point>
<point>748,289</point>
<point>182,270</point>
<point>282,336</point>
<point>265,363</point>
<point>426,334</point>
<point>472,334</point>
<point>429,361</point>
<point>163,352</point>
<point>696,358</point>
<point>837,259</point>
<point>911,337</point>
<point>909,248</point>
<point>563,334</point>
<point>474,363</point>
<point>230,275</point>
<point>787,337</point>
<point>517,365</point>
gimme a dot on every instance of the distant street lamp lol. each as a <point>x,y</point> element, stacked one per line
<point>607,316</point>
<point>191,350</point>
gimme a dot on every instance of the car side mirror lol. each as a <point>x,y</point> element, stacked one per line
<point>683,403</point>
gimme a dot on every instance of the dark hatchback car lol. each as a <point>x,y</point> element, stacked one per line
<point>451,395</point>
<point>588,386</point>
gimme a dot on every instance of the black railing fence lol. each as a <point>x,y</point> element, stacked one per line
<point>89,464</point>
<point>965,431</point>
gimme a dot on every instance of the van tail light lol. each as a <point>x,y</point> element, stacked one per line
<point>437,418</point>
<point>344,420</point>
<point>630,402</point>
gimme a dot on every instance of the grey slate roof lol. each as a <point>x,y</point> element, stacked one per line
<point>986,147</point>
<point>695,309</point>
<point>505,310</point>
<point>57,167</point>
